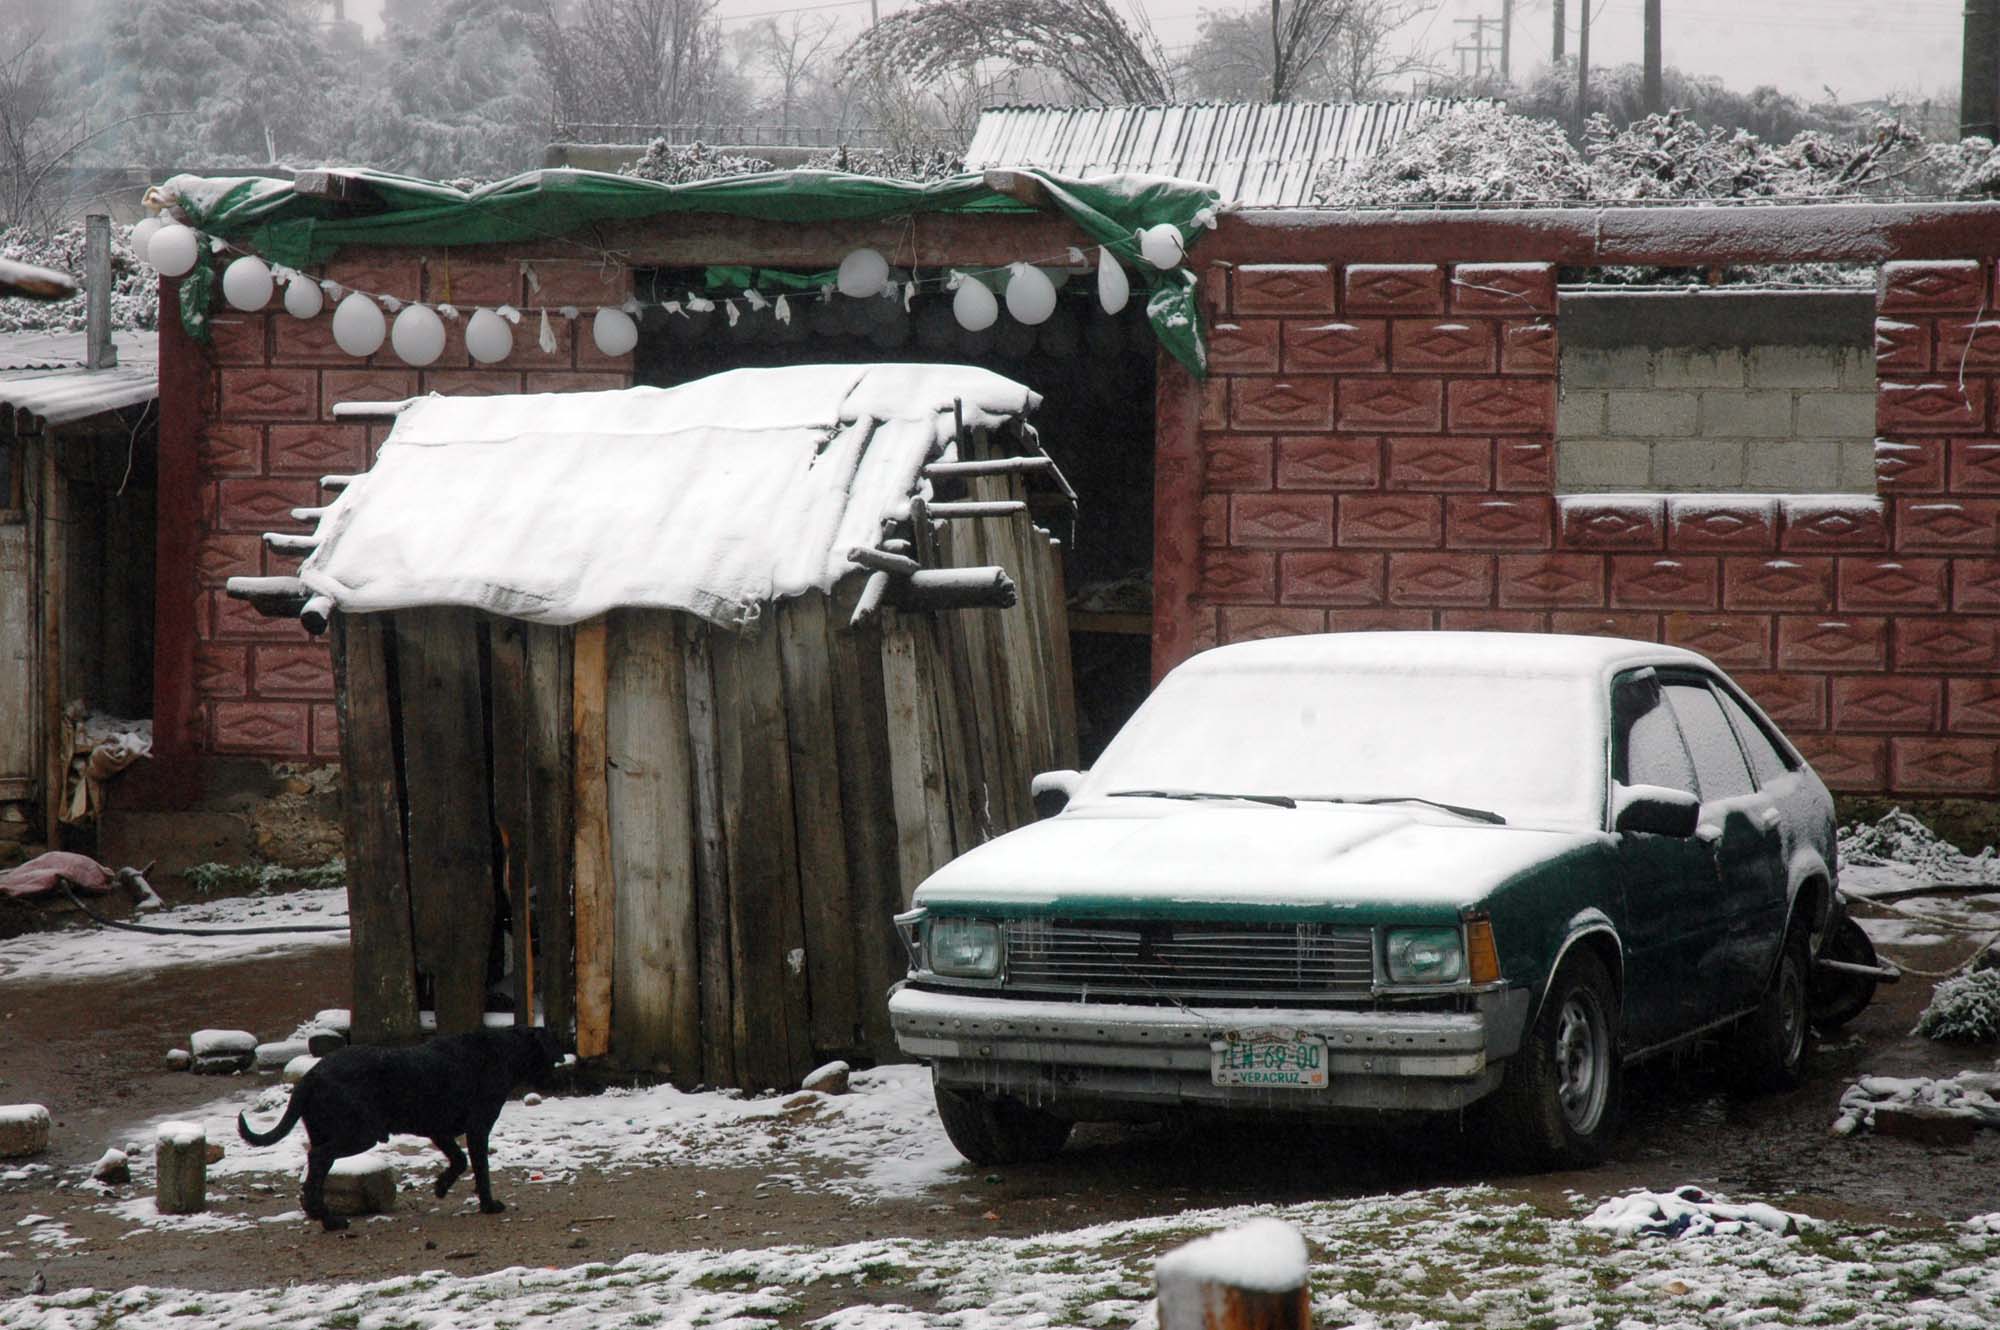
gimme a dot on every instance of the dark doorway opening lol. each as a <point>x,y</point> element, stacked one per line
<point>1095,373</point>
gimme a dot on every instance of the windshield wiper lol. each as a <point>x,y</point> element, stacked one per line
<point>1472,814</point>
<point>1275,800</point>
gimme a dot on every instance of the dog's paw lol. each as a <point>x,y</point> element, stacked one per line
<point>443,1185</point>
<point>492,1207</point>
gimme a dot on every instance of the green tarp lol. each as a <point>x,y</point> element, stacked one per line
<point>270,218</point>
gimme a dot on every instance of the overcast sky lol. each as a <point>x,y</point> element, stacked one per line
<point>1859,48</point>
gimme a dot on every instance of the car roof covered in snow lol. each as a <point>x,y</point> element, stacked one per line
<point>1536,654</point>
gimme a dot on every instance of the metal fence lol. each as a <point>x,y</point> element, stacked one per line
<point>725,134</point>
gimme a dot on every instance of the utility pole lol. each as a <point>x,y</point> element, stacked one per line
<point>1478,49</point>
<point>875,12</point>
<point>1583,67</point>
<point>1506,41</point>
<point>1556,46</point>
<point>1654,96</point>
<point>1979,71</point>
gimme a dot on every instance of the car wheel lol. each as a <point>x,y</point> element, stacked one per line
<point>1838,998</point>
<point>1557,1105</point>
<point>1767,1049</point>
<point>991,1129</point>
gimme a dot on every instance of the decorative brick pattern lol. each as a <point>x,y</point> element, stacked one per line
<point>1551,581</point>
<point>1622,524</point>
<point>1888,703</point>
<point>292,671</point>
<point>1733,641</point>
<point>1975,586</point>
<point>317,450</point>
<point>1269,520</point>
<point>1278,404</point>
<point>1406,405</point>
<point>1948,525</point>
<point>1841,526</point>
<point>1894,584</point>
<point>1975,466</point>
<point>1903,344</point>
<point>1503,288</point>
<point>1528,346</point>
<point>1329,462</point>
<point>1939,407</point>
<point>1846,642</point>
<point>227,449</point>
<point>1954,284</point>
<point>1393,288</point>
<point>240,339</point>
<point>1431,578</point>
<point>364,385</point>
<point>1440,464</point>
<point>1392,521</point>
<point>1641,581</point>
<point>1331,578</point>
<point>1523,465</point>
<point>217,558</point>
<point>267,729</point>
<point>1972,706</point>
<point>1797,702</point>
<point>1237,462</point>
<point>326,732</point>
<point>1804,583</point>
<point>1909,465</point>
<point>1250,346</point>
<point>1434,346</point>
<point>268,394</point>
<point>1847,763</point>
<point>1958,643</point>
<point>1354,346</point>
<point>1722,524</point>
<point>261,504</point>
<point>1943,766</point>
<point>1502,406</point>
<point>1247,623</point>
<point>1498,522</point>
<point>1239,576</point>
<point>1283,288</point>
<point>1597,623</point>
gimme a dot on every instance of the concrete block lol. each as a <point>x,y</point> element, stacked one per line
<point>1603,464</point>
<point>1927,1125</point>
<point>1857,369</point>
<point>1793,366</point>
<point>1755,413</point>
<point>830,1079</point>
<point>1836,415</point>
<point>321,1042</point>
<point>24,1130</point>
<point>295,1070</point>
<point>1697,464</point>
<point>1619,367</point>
<point>274,1055</point>
<point>1579,414</point>
<point>1792,466</point>
<point>361,1185</point>
<point>1690,367</point>
<point>216,1043</point>
<point>1651,414</point>
<point>1857,465</point>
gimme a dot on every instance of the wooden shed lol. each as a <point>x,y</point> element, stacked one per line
<point>656,705</point>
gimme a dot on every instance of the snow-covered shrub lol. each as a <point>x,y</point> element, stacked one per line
<point>1964,1009</point>
<point>677,164</point>
<point>892,163</point>
<point>1468,154</point>
<point>135,290</point>
<point>1899,838</point>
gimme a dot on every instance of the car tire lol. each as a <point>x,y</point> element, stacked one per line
<point>1767,1049</point>
<point>1557,1105</point>
<point>1838,998</point>
<point>990,1129</point>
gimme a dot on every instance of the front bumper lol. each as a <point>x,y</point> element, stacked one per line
<point>1088,1057</point>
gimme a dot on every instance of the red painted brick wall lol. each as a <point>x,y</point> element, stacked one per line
<point>266,433</point>
<point>1373,450</point>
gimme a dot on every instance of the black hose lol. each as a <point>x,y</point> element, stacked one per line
<point>198,932</point>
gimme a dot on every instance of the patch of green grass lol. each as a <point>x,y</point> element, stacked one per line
<point>188,1309</point>
<point>888,1272</point>
<point>343,1321</point>
<point>722,1281</point>
<point>212,877</point>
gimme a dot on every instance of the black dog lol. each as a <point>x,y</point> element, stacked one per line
<point>450,1086</point>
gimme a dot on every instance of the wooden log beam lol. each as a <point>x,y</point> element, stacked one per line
<point>308,514</point>
<point>956,589</point>
<point>1022,188</point>
<point>367,410</point>
<point>899,565</point>
<point>989,466</point>
<point>272,597</point>
<point>287,542</point>
<point>870,603</point>
<point>595,899</point>
<point>336,482</point>
<point>975,508</point>
<point>316,614</point>
<point>351,195</point>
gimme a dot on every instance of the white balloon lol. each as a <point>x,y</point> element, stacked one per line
<point>1031,296</point>
<point>358,325</point>
<point>1113,287</point>
<point>614,331</point>
<point>303,298</point>
<point>1162,245</point>
<point>488,337</point>
<point>974,306</point>
<point>418,335</point>
<point>863,273</point>
<point>142,235</point>
<point>173,250</point>
<point>246,284</point>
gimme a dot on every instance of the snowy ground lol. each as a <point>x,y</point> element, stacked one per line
<point>1455,1257</point>
<point>96,952</point>
<point>1882,861</point>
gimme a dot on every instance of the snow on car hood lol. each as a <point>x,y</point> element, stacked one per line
<point>1151,854</point>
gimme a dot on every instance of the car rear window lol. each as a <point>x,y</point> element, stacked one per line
<point>1765,759</point>
<point>1718,761</point>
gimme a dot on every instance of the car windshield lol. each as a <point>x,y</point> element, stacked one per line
<point>1526,747</point>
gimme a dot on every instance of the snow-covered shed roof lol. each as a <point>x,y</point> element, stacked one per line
<point>43,379</point>
<point>716,497</point>
<point>1256,154</point>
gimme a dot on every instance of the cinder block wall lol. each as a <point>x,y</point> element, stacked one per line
<point>1376,450</point>
<point>1717,391</point>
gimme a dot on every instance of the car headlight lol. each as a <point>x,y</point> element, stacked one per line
<point>1424,955</point>
<point>964,948</point>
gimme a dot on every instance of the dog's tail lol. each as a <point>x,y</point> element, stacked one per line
<point>277,1133</point>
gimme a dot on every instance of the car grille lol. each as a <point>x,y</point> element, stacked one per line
<point>1171,960</point>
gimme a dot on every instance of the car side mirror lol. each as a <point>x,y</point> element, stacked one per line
<point>1052,791</point>
<point>1655,809</point>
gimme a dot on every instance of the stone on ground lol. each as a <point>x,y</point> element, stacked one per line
<point>219,1052</point>
<point>296,1069</point>
<point>337,1019</point>
<point>362,1184</point>
<point>1926,1125</point>
<point>179,1059</point>
<point>24,1130</point>
<point>830,1079</point>
<point>273,1056</point>
<point>180,1183</point>
<point>114,1169</point>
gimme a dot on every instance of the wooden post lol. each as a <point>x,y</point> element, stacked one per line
<point>511,724</point>
<point>378,891</point>
<point>711,862</point>
<point>180,1185</point>
<point>861,729</point>
<point>594,885</point>
<point>550,790</point>
<point>1253,1277</point>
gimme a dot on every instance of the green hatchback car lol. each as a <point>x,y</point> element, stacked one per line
<point>1383,871</point>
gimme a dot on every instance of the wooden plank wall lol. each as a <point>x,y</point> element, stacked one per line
<point>699,837</point>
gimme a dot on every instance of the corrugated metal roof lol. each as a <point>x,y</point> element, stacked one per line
<point>1258,154</point>
<point>42,377</point>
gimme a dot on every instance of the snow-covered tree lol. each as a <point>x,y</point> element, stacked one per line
<point>464,96</point>
<point>1332,50</point>
<point>640,62</point>
<point>1095,54</point>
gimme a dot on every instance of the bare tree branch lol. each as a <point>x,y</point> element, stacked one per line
<point>1097,54</point>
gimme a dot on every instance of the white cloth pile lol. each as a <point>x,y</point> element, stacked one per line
<point>1688,1212</point>
<point>1970,1094</point>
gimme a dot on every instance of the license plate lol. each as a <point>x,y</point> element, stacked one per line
<point>1280,1059</point>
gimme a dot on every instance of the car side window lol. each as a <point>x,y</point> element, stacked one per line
<point>1765,760</point>
<point>1718,759</point>
<point>1650,750</point>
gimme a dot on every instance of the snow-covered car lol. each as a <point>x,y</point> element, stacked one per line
<point>1368,871</point>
